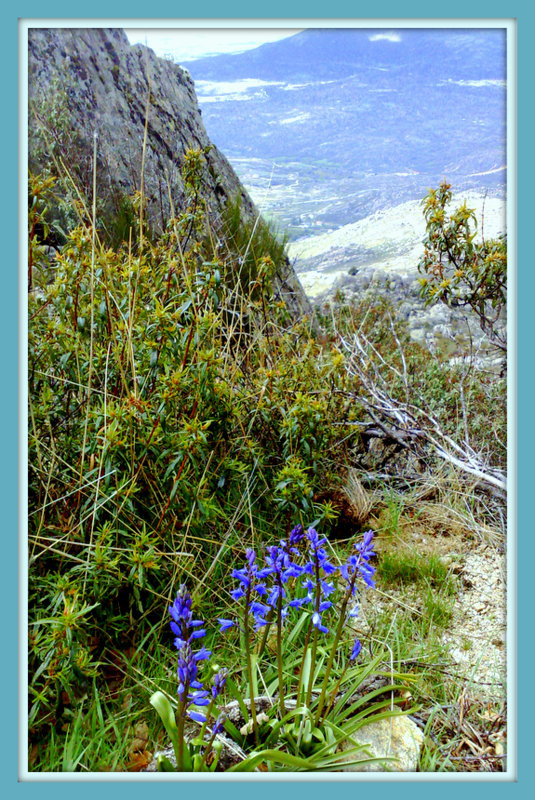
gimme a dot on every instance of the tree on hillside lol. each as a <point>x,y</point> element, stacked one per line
<point>459,271</point>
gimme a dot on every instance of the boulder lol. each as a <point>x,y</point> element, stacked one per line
<point>398,738</point>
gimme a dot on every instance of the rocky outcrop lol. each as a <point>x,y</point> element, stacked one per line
<point>91,80</point>
<point>454,332</point>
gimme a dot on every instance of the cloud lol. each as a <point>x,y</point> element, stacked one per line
<point>390,36</point>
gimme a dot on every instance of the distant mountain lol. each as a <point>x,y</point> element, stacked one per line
<point>329,126</point>
<point>335,53</point>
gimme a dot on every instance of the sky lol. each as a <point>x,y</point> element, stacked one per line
<point>187,44</point>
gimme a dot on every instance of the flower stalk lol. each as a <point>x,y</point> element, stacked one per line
<point>279,651</point>
<point>248,659</point>
<point>316,632</point>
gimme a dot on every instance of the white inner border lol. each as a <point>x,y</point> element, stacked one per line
<point>511,636</point>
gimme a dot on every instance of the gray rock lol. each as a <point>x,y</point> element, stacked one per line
<point>443,330</point>
<point>345,280</point>
<point>378,276</point>
<point>415,287</point>
<point>398,738</point>
<point>418,335</point>
<point>405,310</point>
<point>438,314</point>
<point>101,83</point>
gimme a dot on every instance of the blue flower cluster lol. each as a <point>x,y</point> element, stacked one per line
<point>316,571</point>
<point>186,629</point>
<point>251,583</point>
<point>357,564</point>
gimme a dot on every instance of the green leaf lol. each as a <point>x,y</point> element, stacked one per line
<point>167,715</point>
<point>164,765</point>
<point>236,694</point>
<point>271,756</point>
<point>232,730</point>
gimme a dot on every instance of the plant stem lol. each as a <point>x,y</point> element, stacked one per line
<point>249,663</point>
<point>315,637</point>
<point>312,666</point>
<point>328,668</point>
<point>333,696</point>
<point>207,750</point>
<point>180,747</point>
<point>208,714</point>
<point>265,634</point>
<point>279,650</point>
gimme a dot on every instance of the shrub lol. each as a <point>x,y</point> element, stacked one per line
<point>459,271</point>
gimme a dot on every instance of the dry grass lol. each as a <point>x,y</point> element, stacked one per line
<point>360,500</point>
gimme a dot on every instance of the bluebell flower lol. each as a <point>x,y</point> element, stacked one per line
<point>182,623</point>
<point>190,689</point>
<point>202,654</point>
<point>225,624</point>
<point>241,575</point>
<point>296,534</point>
<point>316,621</point>
<point>219,724</point>
<point>258,609</point>
<point>357,564</point>
<point>318,553</point>
<point>276,592</point>
<point>282,568</point>
<point>197,716</point>
<point>199,698</point>
<point>218,682</point>
<point>250,581</point>
<point>357,647</point>
<point>298,602</point>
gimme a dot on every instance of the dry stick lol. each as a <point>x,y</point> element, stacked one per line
<point>142,178</point>
<point>179,473</point>
<point>401,416</point>
<point>90,371</point>
<point>265,634</point>
<point>100,470</point>
<point>47,489</point>
<point>237,513</point>
<point>64,497</point>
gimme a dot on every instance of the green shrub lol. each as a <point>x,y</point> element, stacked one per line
<point>459,271</point>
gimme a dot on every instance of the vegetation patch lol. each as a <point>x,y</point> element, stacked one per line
<point>181,420</point>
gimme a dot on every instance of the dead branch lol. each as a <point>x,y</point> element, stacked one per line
<point>405,423</point>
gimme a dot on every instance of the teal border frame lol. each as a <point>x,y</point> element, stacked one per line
<point>524,14</point>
